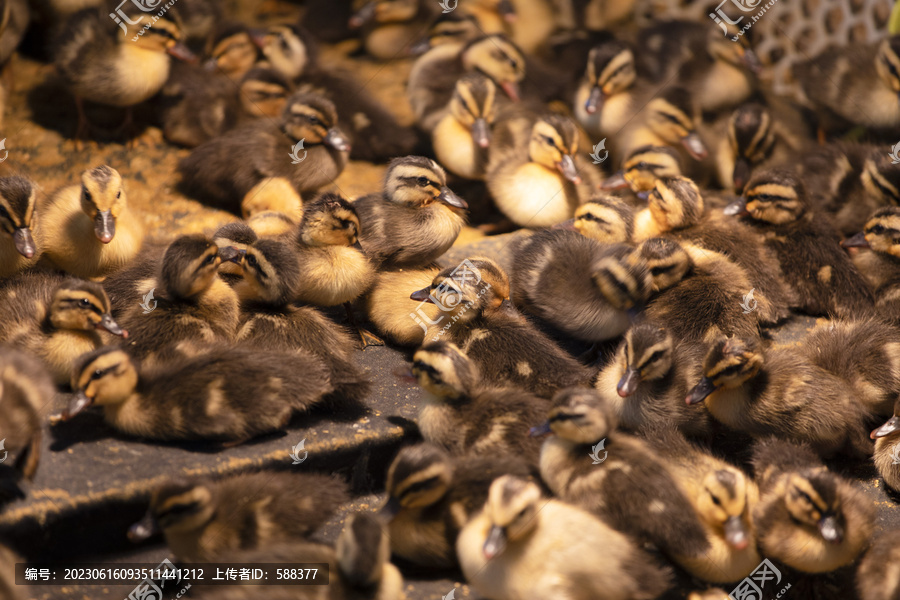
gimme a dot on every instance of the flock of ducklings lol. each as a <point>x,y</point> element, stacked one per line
<point>724,217</point>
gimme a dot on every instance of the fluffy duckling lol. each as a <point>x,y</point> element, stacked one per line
<point>388,27</point>
<point>465,415</point>
<point>604,218</point>
<point>199,398</point>
<point>18,249</point>
<point>877,576</point>
<point>648,378</point>
<point>89,229</point>
<point>462,138</point>
<point>537,177</point>
<point>203,519</point>
<point>781,393</point>
<point>432,496</point>
<point>582,287</point>
<point>808,518</point>
<point>878,259</point>
<point>479,319</point>
<point>387,305</point>
<point>805,244</point>
<point>456,28</point>
<point>607,96</point>
<point>643,168</point>
<point>232,51</point>
<point>523,545</point>
<point>632,490</point>
<point>754,140</point>
<point>26,391</point>
<point>225,170</point>
<point>56,319</point>
<point>97,62</point>
<point>196,105</point>
<point>415,219</point>
<point>887,449</point>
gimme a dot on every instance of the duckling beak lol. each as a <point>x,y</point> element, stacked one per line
<point>566,166</point>
<point>495,542</point>
<point>892,425</point>
<point>105,226</point>
<point>565,225</point>
<point>78,403</point>
<point>539,430</point>
<point>143,529</point>
<point>741,174</point>
<point>448,197</point>
<point>736,533</point>
<point>231,254</point>
<point>643,196</point>
<point>110,325</point>
<point>480,133</point>
<point>182,52</point>
<point>694,145</point>
<point>511,89</point>
<point>616,182</point>
<point>751,62</point>
<point>336,139</point>
<point>594,101</point>
<point>390,509</point>
<point>737,208</point>
<point>420,47</point>
<point>362,16</point>
<point>629,382</point>
<point>423,294</point>
<point>506,9</point>
<point>24,242</point>
<point>211,64</point>
<point>258,36</point>
<point>700,391</point>
<point>857,241</point>
<point>831,530</point>
<point>357,245</point>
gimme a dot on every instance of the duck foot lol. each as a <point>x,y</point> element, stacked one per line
<point>367,338</point>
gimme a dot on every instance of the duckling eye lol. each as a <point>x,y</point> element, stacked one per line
<point>251,260</point>
<point>657,271</point>
<point>87,195</point>
<point>423,181</point>
<point>548,139</point>
<point>209,259</point>
<point>4,213</point>
<point>464,104</point>
<point>671,119</point>
<point>715,500</point>
<point>522,513</point>
<point>85,302</point>
<point>118,194</point>
<point>655,356</point>
<point>877,229</point>
<point>314,121</point>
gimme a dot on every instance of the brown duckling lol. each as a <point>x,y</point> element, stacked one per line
<point>388,27</point>
<point>478,318</point>
<point>887,449</point>
<point>878,257</point>
<point>604,218</point>
<point>199,398</point>
<point>26,391</point>
<point>877,576</point>
<point>415,219</point>
<point>18,219</point>
<point>225,170</point>
<point>808,517</point>
<point>643,168</point>
<point>779,392</point>
<point>462,138</point>
<point>201,520</point>
<point>231,51</point>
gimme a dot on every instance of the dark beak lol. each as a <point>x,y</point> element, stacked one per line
<point>700,391</point>
<point>110,325</point>
<point>363,16</point>
<point>594,101</point>
<point>390,509</point>
<point>736,534</point>
<point>539,430</point>
<point>337,140</point>
<point>495,542</point>
<point>616,182</point>
<point>751,62</point>
<point>231,254</point>
<point>694,145</point>
<point>511,89</point>
<point>105,226</point>
<point>737,208</point>
<point>78,403</point>
<point>182,52</point>
<point>258,36</point>
<point>448,197</point>
<point>481,133</point>
<point>423,294</point>
<point>831,530</point>
<point>643,196</point>
<point>211,64</point>
<point>24,242</point>
<point>741,174</point>
<point>506,9</point>
<point>420,47</point>
<point>143,529</point>
<point>857,241</point>
<point>357,245</point>
<point>566,225</point>
<point>629,382</point>
<point>892,425</point>
<point>566,166</point>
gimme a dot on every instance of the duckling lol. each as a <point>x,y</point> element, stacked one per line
<point>465,415</point>
<point>582,287</point>
<point>462,138</point>
<point>188,291</point>
<point>723,497</point>
<point>538,179</point>
<point>389,26</point>
<point>97,63</point>
<point>631,491</point>
<point>644,167</point>
<point>224,170</point>
<point>863,81</point>
<point>607,96</point>
<point>89,229</point>
<point>201,519</point>
<point>196,105</point>
<point>479,319</point>
<point>648,378</point>
<point>26,390</point>
<point>232,51</point>
<point>56,319</point>
<point>387,305</point>
<point>529,26</point>
<point>455,27</point>
<point>431,497</point>
<point>808,518</point>
<point>523,545</point>
<point>879,260</point>
<point>199,398</point>
<point>877,576</point>
<point>269,321</point>
<point>263,93</point>
<point>805,244</point>
<point>198,19</point>
<point>415,219</point>
<point>18,248</point>
<point>604,218</point>
<point>887,449</point>
<point>275,224</point>
<point>779,392</point>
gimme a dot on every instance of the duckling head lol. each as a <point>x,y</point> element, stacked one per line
<point>581,415</point>
<point>667,261</point>
<point>385,11</point>
<point>675,203</point>
<point>160,34</point>
<point>472,105</point>
<point>498,58</point>
<point>191,264</point>
<point>237,235</point>
<point>178,509</point>
<point>329,220</point>
<point>449,28</point>
<point>313,118</point>
<point>738,54</point>
<point>107,376</point>
<point>512,509</point>
<point>270,270</point>
<point>103,200</point>
<point>232,52</point>
<point>644,167</point>
<point>443,370</point>
<point>648,356</point>
<point>881,179</point>
<point>419,476</point>
<point>881,233</point>
<point>728,364</point>
<point>287,49</point>
<point>813,500</point>
<point>264,92</point>
<point>672,116</point>
<point>605,218</point>
<point>752,138</point>
<point>723,505</point>
<point>887,63</point>
<point>892,425</point>
<point>610,70</point>
<point>362,550</point>
<point>623,281</point>
<point>466,291</point>
<point>17,216</point>
<point>554,144</point>
<point>82,306</point>
<point>416,181</point>
<point>774,196</point>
